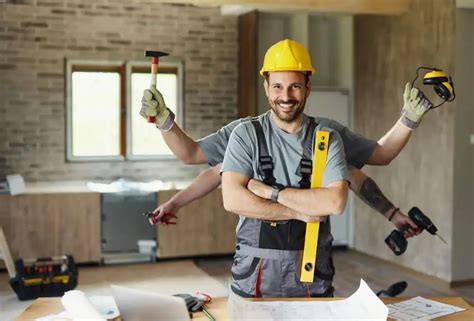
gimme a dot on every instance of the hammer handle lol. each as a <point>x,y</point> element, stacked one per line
<point>154,71</point>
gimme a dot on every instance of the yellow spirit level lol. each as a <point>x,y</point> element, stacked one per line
<point>310,250</point>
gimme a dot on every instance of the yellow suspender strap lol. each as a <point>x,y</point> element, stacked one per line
<point>321,145</point>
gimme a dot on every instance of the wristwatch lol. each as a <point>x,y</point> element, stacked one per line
<point>276,188</point>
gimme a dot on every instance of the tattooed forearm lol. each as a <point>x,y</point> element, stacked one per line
<point>371,194</point>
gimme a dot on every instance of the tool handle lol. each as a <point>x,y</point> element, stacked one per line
<point>154,71</point>
<point>396,242</point>
<point>405,228</point>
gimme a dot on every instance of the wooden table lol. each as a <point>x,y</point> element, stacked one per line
<point>218,308</point>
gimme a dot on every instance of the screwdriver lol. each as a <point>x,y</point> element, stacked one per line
<point>208,315</point>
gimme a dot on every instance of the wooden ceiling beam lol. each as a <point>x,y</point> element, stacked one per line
<point>382,7</point>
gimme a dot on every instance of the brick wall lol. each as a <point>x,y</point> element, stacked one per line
<point>36,36</point>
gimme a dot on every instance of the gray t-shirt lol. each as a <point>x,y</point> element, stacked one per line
<point>286,149</point>
<point>356,147</point>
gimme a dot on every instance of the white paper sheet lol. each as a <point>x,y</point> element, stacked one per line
<point>55,317</point>
<point>135,305</point>
<point>362,305</point>
<point>420,308</point>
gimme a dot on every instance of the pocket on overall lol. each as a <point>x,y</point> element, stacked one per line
<point>244,266</point>
<point>244,275</point>
<point>321,285</point>
<point>324,264</point>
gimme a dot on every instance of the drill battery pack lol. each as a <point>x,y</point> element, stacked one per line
<point>44,277</point>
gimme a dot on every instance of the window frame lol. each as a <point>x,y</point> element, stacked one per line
<point>125,69</point>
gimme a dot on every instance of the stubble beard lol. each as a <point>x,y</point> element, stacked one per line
<point>288,118</point>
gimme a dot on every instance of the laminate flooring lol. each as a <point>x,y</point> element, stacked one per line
<point>351,266</point>
<point>211,274</point>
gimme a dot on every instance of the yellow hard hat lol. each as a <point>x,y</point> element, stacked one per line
<point>287,55</point>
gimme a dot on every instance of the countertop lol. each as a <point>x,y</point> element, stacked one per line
<point>85,187</point>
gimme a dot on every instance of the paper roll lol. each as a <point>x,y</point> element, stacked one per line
<point>79,307</point>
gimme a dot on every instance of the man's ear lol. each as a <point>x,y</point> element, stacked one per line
<point>265,86</point>
<point>308,88</point>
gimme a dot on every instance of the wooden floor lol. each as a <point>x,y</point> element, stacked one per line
<point>351,266</point>
<point>165,277</point>
<point>182,275</point>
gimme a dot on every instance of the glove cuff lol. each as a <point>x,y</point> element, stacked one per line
<point>169,121</point>
<point>408,122</point>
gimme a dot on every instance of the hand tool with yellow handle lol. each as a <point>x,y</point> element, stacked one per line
<point>308,264</point>
<point>155,59</point>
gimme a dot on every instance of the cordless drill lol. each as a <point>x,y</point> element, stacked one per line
<point>397,242</point>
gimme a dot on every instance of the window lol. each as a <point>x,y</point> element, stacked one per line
<point>104,100</point>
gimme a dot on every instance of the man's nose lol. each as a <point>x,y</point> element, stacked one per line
<point>286,94</point>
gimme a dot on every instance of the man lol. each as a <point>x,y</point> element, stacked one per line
<point>271,229</point>
<point>358,149</point>
<point>262,190</point>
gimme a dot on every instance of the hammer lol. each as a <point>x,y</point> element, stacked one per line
<point>155,57</point>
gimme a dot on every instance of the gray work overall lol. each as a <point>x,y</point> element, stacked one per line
<point>268,255</point>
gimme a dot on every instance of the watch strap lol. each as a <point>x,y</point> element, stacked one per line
<point>275,191</point>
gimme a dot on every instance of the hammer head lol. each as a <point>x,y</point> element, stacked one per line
<point>151,53</point>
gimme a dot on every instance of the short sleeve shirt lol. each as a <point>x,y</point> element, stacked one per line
<point>286,149</point>
<point>356,147</point>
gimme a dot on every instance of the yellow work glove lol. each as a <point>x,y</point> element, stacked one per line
<point>415,106</point>
<point>154,105</point>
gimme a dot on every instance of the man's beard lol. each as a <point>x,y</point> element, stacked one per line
<point>296,110</point>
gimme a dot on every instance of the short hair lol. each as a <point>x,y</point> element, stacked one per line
<point>306,77</point>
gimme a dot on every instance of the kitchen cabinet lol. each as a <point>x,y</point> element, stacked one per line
<point>42,225</point>
<point>54,223</point>
<point>204,228</point>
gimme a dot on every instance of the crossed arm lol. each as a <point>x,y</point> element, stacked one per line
<point>309,204</point>
<point>305,205</point>
<point>364,187</point>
